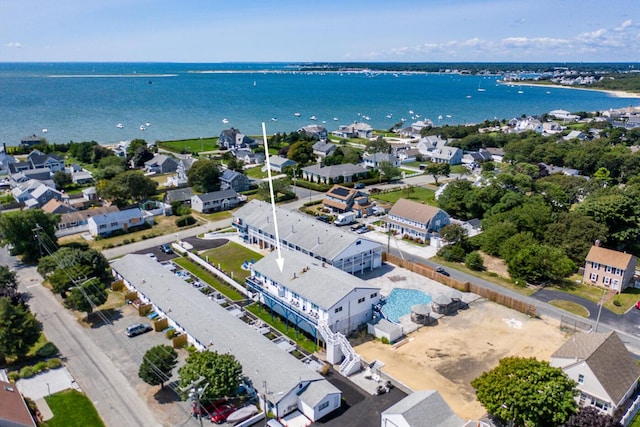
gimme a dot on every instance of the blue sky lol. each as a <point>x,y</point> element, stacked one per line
<point>320,30</point>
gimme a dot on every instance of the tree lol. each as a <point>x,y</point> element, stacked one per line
<point>454,233</point>
<point>130,185</point>
<point>388,170</point>
<point>62,179</point>
<point>492,238</point>
<point>529,392</point>
<point>157,365</point>
<point>575,234</point>
<point>110,166</point>
<point>280,186</point>
<point>590,416</point>
<point>301,152</point>
<point>474,261</point>
<point>204,176</point>
<point>17,229</point>
<point>378,145</point>
<point>8,284</point>
<point>89,294</point>
<point>140,156</point>
<point>134,145</point>
<point>19,329</point>
<point>455,199</point>
<point>222,372</point>
<point>73,264</point>
<point>436,170</point>
<point>540,263</point>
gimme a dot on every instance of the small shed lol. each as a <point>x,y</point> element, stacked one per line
<point>384,328</point>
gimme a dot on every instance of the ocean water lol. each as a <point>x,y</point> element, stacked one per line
<point>85,101</point>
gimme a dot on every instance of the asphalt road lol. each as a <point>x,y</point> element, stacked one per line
<point>117,402</point>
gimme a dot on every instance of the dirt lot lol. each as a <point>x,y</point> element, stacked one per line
<point>448,356</point>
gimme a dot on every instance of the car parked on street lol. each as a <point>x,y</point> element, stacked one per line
<point>166,248</point>
<point>220,413</point>
<point>323,218</point>
<point>138,329</point>
<point>442,271</point>
<point>206,409</point>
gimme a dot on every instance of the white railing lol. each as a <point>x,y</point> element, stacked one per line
<point>351,362</point>
<point>631,412</point>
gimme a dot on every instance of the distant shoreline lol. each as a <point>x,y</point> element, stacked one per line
<point>614,93</point>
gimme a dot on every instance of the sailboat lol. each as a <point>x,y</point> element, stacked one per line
<point>225,121</point>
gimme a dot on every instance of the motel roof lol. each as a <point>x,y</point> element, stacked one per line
<point>206,321</point>
<point>315,281</point>
<point>323,240</point>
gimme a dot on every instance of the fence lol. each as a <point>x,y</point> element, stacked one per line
<point>426,271</point>
<point>568,324</point>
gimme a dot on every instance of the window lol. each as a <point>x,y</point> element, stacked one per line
<point>373,295</point>
<point>338,310</point>
<point>580,379</point>
<point>606,280</point>
<point>361,300</point>
<point>595,265</point>
<point>323,406</point>
<point>593,277</point>
<point>607,269</point>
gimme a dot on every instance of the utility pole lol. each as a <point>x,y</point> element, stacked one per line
<point>604,292</point>
<point>195,395</point>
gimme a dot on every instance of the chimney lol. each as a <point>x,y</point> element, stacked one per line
<point>597,243</point>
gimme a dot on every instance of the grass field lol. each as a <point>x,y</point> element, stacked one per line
<point>230,257</point>
<point>418,194</point>
<point>256,173</point>
<point>72,409</point>
<point>190,145</point>
<point>278,323</point>
<point>210,279</point>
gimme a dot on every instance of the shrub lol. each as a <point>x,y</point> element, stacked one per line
<point>54,363</point>
<point>40,366</point>
<point>185,220</point>
<point>13,376</point>
<point>48,349</point>
<point>170,333</point>
<point>384,340</point>
<point>474,261</point>
<point>26,372</point>
<point>325,369</point>
<point>454,253</point>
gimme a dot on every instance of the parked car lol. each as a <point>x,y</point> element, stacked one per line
<point>137,329</point>
<point>206,409</point>
<point>220,413</point>
<point>442,271</point>
<point>165,248</point>
<point>638,305</point>
<point>359,186</point>
<point>152,256</point>
<point>323,218</point>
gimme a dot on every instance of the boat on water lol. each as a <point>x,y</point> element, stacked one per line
<point>296,114</point>
<point>335,119</point>
<point>273,119</point>
<point>242,414</point>
<point>142,127</point>
<point>45,130</point>
<point>225,121</point>
<point>313,118</point>
<point>448,116</point>
<point>389,116</point>
<point>119,125</point>
<point>147,124</point>
<point>468,96</point>
<point>440,117</point>
<point>520,91</point>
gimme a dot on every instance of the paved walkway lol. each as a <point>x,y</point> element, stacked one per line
<point>45,384</point>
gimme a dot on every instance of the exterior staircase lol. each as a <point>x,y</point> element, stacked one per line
<point>351,363</point>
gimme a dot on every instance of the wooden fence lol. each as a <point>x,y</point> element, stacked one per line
<point>426,271</point>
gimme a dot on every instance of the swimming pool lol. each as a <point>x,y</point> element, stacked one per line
<point>399,303</point>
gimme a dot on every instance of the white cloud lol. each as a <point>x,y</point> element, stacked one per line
<point>626,24</point>
<point>15,45</point>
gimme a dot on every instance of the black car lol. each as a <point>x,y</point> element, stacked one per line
<point>323,218</point>
<point>359,186</point>
<point>442,271</point>
<point>166,248</point>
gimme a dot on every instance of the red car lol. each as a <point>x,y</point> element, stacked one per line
<point>220,413</point>
<point>207,408</point>
<point>638,305</point>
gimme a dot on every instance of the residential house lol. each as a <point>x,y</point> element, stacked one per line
<point>28,141</point>
<point>374,160</point>
<point>234,180</point>
<point>526,124</point>
<point>234,139</point>
<point>14,411</point>
<point>161,163</point>
<point>121,148</point>
<point>82,177</point>
<point>285,383</point>
<point>416,220</point>
<point>182,195</point>
<point>607,268</point>
<point>354,130</point>
<point>563,115</point>
<point>575,134</point>
<point>55,206</point>
<point>475,158</point>
<point>38,160</point>
<point>606,373</point>
<point>42,194</point>
<point>446,154</point>
<point>215,201</point>
<point>16,167</point>
<point>408,155</point>
<point>322,149</point>
<point>347,251</point>
<point>108,223</point>
<point>22,191</point>
<point>497,154</point>
<point>313,292</point>
<point>346,172</point>
<point>278,163</point>
<point>248,157</point>
<point>418,407</point>
<point>341,199</point>
<point>415,129</point>
<point>180,177</point>
<point>76,222</point>
<point>90,194</point>
<point>314,131</point>
<point>5,161</point>
<point>552,128</point>
<point>42,175</point>
<point>430,142</point>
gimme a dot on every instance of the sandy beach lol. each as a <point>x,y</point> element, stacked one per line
<point>615,93</point>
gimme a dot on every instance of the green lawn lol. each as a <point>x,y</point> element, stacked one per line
<point>618,304</point>
<point>190,145</point>
<point>70,409</point>
<point>571,307</point>
<point>256,173</point>
<point>277,322</point>
<point>230,257</point>
<point>418,194</point>
<point>208,278</point>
